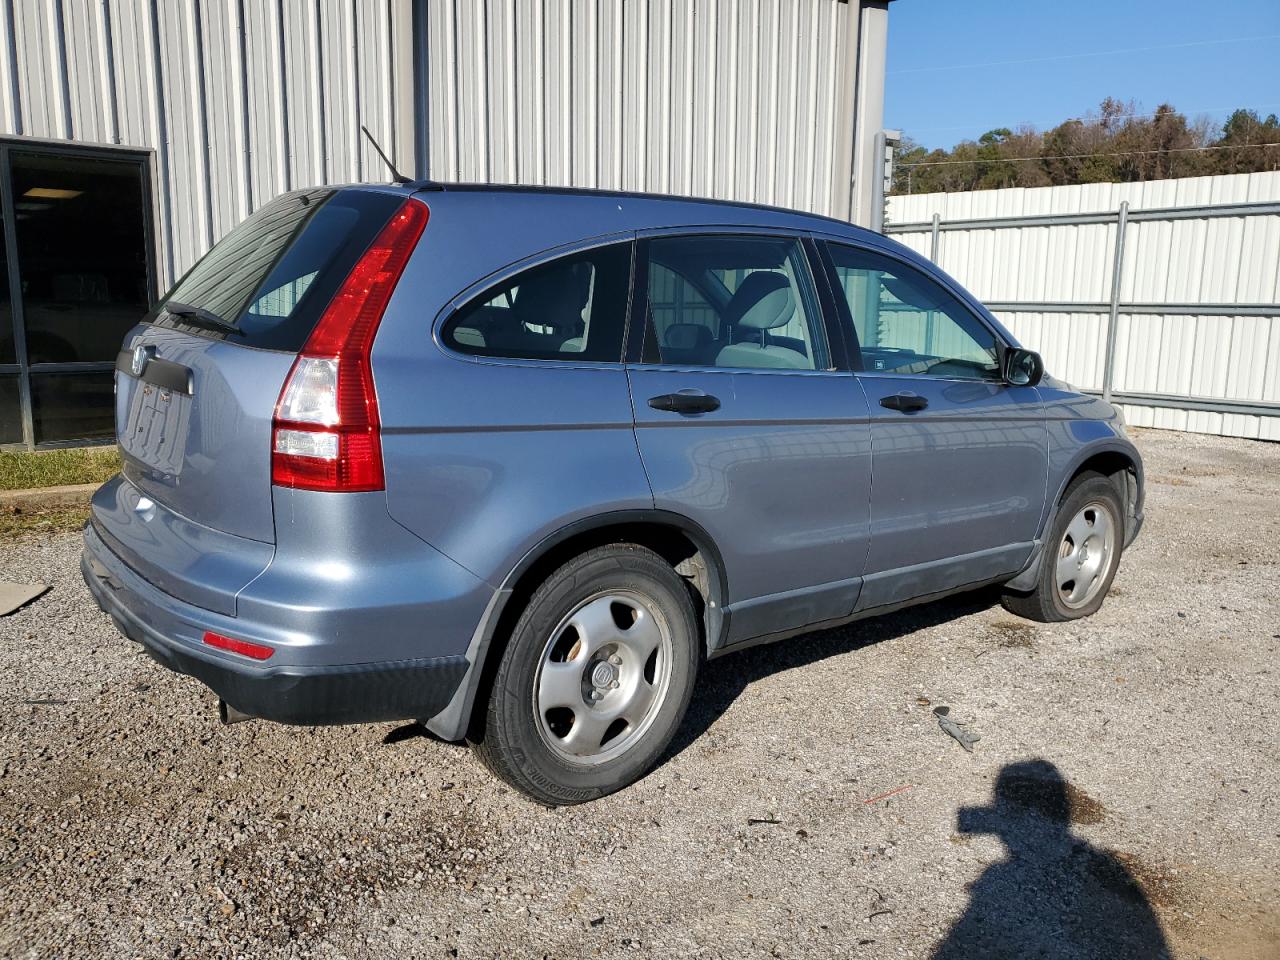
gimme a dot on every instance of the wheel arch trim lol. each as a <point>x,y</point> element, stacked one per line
<point>1114,445</point>
<point>453,721</point>
<point>1026,580</point>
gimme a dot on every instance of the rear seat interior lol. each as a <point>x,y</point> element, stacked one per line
<point>544,315</point>
<point>764,303</point>
<point>689,343</point>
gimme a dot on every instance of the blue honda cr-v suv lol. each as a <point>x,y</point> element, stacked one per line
<point>513,461</point>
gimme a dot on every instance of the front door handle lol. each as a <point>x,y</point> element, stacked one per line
<point>686,401</point>
<point>904,402</point>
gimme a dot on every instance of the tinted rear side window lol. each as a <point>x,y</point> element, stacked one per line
<point>572,308</point>
<point>272,276</point>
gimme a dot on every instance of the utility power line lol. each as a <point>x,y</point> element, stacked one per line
<point>1191,112</point>
<point>1084,156</point>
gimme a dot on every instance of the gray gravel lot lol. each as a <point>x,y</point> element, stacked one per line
<point>132,824</point>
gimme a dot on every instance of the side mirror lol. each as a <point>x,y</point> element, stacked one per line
<point>1022,368</point>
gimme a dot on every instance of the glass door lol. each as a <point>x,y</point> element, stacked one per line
<point>78,273</point>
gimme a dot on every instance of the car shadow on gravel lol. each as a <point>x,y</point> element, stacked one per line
<point>413,730</point>
<point>723,680</point>
<point>1054,894</point>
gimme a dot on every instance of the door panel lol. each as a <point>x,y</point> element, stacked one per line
<point>776,476</point>
<point>958,487</point>
<point>744,427</point>
<point>959,456</point>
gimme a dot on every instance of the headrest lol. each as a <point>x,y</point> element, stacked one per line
<point>686,336</point>
<point>762,302</point>
<point>553,297</point>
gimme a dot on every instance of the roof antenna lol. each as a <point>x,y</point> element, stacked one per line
<point>396,175</point>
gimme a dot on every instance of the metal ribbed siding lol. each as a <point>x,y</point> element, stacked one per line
<point>1214,261</point>
<point>240,100</point>
<point>735,99</point>
<point>243,99</point>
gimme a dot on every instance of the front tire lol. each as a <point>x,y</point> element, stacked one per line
<point>595,679</point>
<point>1081,555</point>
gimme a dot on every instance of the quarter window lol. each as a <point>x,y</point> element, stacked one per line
<point>909,324</point>
<point>732,302</point>
<point>573,308</point>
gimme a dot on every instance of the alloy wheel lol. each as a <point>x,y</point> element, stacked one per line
<point>602,677</point>
<point>1085,554</point>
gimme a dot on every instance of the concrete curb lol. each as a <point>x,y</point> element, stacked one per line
<point>43,498</point>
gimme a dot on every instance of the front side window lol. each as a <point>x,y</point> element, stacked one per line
<point>746,302</point>
<point>909,324</point>
<point>572,308</point>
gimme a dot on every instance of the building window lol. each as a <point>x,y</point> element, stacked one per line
<point>10,409</point>
<point>78,275</point>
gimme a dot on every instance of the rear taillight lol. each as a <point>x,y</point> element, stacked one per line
<point>254,651</point>
<point>325,435</point>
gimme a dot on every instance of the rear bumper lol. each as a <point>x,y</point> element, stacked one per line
<point>171,631</point>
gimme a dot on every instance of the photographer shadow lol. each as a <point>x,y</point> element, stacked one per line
<point>1055,895</point>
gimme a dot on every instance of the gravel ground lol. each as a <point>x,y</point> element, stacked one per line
<point>1122,799</point>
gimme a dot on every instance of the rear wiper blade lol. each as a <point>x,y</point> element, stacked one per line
<point>199,314</point>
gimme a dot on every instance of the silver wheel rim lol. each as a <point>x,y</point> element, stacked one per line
<point>1085,554</point>
<point>602,677</point>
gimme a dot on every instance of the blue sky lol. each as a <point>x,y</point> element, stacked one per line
<point>975,40</point>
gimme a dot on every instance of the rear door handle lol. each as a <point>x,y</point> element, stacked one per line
<point>904,402</point>
<point>686,401</point>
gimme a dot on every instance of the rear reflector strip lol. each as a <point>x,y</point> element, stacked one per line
<point>254,651</point>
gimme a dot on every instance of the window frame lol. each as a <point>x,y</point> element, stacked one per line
<point>487,287</point>
<point>825,325</point>
<point>21,367</point>
<point>850,330</point>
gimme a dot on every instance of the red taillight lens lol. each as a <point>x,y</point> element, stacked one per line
<point>326,430</point>
<point>255,651</point>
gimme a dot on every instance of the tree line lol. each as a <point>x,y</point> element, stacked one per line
<point>1118,144</point>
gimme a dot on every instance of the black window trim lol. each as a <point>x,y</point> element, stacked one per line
<point>836,356</point>
<point>842,356</point>
<point>824,242</point>
<point>496,278</point>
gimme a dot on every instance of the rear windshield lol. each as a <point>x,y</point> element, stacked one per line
<point>266,283</point>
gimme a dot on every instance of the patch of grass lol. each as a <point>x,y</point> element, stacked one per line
<point>53,468</point>
<point>18,523</point>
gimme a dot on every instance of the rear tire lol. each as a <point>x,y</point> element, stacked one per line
<point>1079,557</point>
<point>595,679</point>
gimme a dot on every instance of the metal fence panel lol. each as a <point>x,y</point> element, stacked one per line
<point>1194,316</point>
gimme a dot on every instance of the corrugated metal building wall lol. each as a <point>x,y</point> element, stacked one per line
<point>244,99</point>
<point>224,104</point>
<point>239,100</point>
<point>736,99</point>
<point>1219,261</point>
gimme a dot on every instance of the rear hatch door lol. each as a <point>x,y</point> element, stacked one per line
<point>197,382</point>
